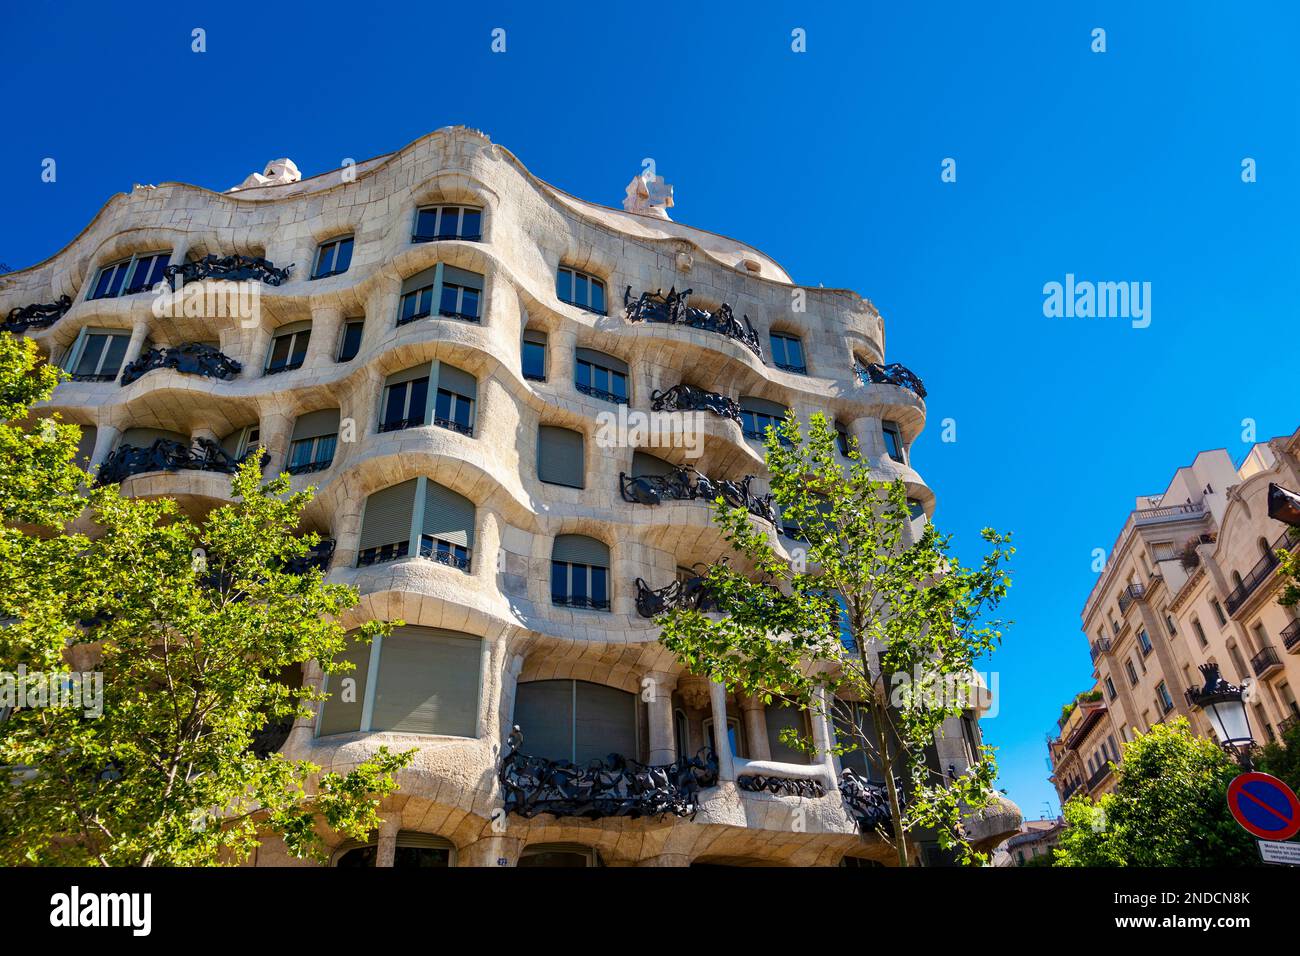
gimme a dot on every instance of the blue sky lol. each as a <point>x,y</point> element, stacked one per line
<point>1119,166</point>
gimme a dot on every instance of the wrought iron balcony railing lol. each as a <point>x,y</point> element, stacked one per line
<point>452,314</point>
<point>686,484</point>
<point>600,393</point>
<point>613,787</point>
<point>1068,790</point>
<point>691,593</point>
<point>1100,647</point>
<point>168,455</point>
<point>866,801</point>
<point>398,424</point>
<point>318,557</point>
<point>1101,773</point>
<point>454,426</point>
<point>781,786</point>
<point>383,553</point>
<point>893,374</point>
<point>1291,636</point>
<point>688,398</point>
<point>38,316</point>
<point>1257,575</point>
<point>674,309</point>
<point>235,268</point>
<point>193,358</point>
<point>1266,661</point>
<point>310,467</point>
<point>458,558</point>
<point>797,369</point>
<point>581,602</point>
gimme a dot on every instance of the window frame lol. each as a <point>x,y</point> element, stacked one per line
<point>127,284</point>
<point>441,210</point>
<point>78,351</point>
<point>289,365</point>
<point>313,463</point>
<point>592,282</point>
<point>891,429</point>
<point>334,246</point>
<point>786,338</point>
<point>593,390</point>
<point>343,339</point>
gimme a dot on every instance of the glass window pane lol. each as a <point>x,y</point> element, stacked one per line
<point>442,405</point>
<point>119,273</point>
<point>794,349</point>
<point>351,341</point>
<point>584,375</point>
<point>469,302</point>
<point>300,346</point>
<point>599,585</point>
<point>578,581</point>
<point>559,580</point>
<point>620,384</point>
<point>101,287</point>
<point>564,285</point>
<point>325,259</point>
<point>419,398</point>
<point>534,360</point>
<point>471,223</point>
<point>597,295</point>
<point>90,355</point>
<point>579,288</point>
<point>116,352</point>
<point>325,447</point>
<point>394,404</point>
<point>280,352</point>
<point>450,298</point>
<point>343,257</point>
<point>426,223</point>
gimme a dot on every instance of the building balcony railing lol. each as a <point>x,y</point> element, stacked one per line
<point>38,316</point>
<point>1286,723</point>
<point>193,358</point>
<point>686,484</point>
<point>580,601</point>
<point>1266,661</point>
<point>688,398</point>
<point>691,593</point>
<point>1069,790</point>
<point>674,309</point>
<point>310,467</point>
<point>1291,637</point>
<point>235,268</point>
<point>614,787</point>
<point>318,557</point>
<point>1098,775</point>
<point>1100,647</point>
<point>446,237</point>
<point>601,394</point>
<point>461,316</point>
<point>895,373</point>
<point>1147,515</point>
<point>454,426</point>
<point>398,424</point>
<point>866,801</point>
<point>1257,575</point>
<point>796,369</point>
<point>168,455</point>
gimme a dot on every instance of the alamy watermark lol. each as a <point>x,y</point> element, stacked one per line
<point>1083,299</point>
<point>628,428</point>
<point>24,688</point>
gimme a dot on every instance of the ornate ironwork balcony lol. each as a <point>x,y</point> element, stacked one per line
<point>867,802</point>
<point>674,309</point>
<point>397,424</point>
<point>234,268</point>
<point>691,593</point>
<point>613,787</point>
<point>1099,647</point>
<point>581,602</point>
<point>1291,636</point>
<point>781,786</point>
<point>451,314</point>
<point>454,426</point>
<point>38,316</point>
<point>310,467</point>
<point>1101,773</point>
<point>686,484</point>
<point>319,557</point>
<point>1257,575</point>
<point>600,393</point>
<point>429,549</point>
<point>688,398</point>
<point>797,369</point>
<point>893,374</point>
<point>167,455</point>
<point>1068,790</point>
<point>1266,661</point>
<point>193,358</point>
<point>383,553</point>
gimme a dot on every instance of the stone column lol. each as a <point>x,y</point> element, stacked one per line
<point>326,324</point>
<point>139,332</point>
<point>721,743</point>
<point>274,431</point>
<point>491,851</point>
<point>304,728</point>
<point>822,734</point>
<point>106,437</point>
<point>756,727</point>
<point>663,742</point>
<point>386,850</point>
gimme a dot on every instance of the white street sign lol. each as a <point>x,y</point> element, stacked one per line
<point>1274,852</point>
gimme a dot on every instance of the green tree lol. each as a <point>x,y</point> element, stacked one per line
<point>862,617</point>
<point>191,622</point>
<point>1281,758</point>
<point>1169,808</point>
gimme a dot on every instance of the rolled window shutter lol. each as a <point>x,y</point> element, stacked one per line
<point>605,723</point>
<point>536,336</point>
<point>230,444</point>
<point>762,406</point>
<point>448,515</point>
<point>455,380</point>
<point>86,444</point>
<point>544,713</point>
<point>407,375</point>
<point>425,841</point>
<point>144,437</point>
<point>560,456</point>
<point>644,464</point>
<point>419,280</point>
<point>291,328</point>
<point>454,276</point>
<point>579,549</point>
<point>339,716</point>
<point>779,718</point>
<point>428,682</point>
<point>387,517</point>
<point>601,359</point>
<point>316,424</point>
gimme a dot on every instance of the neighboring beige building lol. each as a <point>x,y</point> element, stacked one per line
<point>442,363</point>
<point>1036,840</point>
<point>1191,579</point>
<point>1083,754</point>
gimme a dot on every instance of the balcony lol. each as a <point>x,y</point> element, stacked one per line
<point>318,557</point>
<point>1286,723</point>
<point>893,374</point>
<point>1257,575</point>
<point>1100,774</point>
<point>1068,790</point>
<point>867,802</point>
<point>234,268</point>
<point>167,455</point>
<point>614,787</point>
<point>193,358</point>
<point>691,593</point>
<point>601,394</point>
<point>1100,647</point>
<point>1266,662</point>
<point>1167,513</point>
<point>674,309</point>
<point>38,316</point>
<point>1291,637</point>
<point>688,398</point>
<point>686,484</point>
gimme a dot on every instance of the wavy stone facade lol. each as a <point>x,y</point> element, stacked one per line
<point>499,596</point>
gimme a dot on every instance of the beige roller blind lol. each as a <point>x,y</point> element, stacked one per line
<point>341,716</point>
<point>601,359</point>
<point>316,424</point>
<point>643,463</point>
<point>762,406</point>
<point>144,437</point>
<point>579,549</point>
<point>419,280</point>
<point>454,276</point>
<point>387,518</point>
<point>448,515</point>
<point>456,380</point>
<point>428,683</point>
<point>407,375</point>
<point>536,336</point>
<point>544,713</point>
<point>604,723</point>
<point>560,456</point>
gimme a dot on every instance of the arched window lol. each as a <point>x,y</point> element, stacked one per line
<point>413,850</point>
<point>580,573</point>
<point>560,456</point>
<point>576,720</point>
<point>601,376</point>
<point>757,415</point>
<point>787,353</point>
<point>315,436</point>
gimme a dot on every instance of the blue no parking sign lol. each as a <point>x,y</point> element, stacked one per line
<point>1265,806</point>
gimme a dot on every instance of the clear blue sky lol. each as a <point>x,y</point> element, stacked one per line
<point>1117,166</point>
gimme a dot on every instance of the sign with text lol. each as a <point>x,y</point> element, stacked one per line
<point>1287,854</point>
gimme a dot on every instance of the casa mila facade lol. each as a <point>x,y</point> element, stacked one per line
<point>438,342</point>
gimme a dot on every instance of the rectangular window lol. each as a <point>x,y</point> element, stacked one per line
<point>600,381</point>
<point>404,404</point>
<point>1218,611</point>
<point>416,304</point>
<point>351,342</point>
<point>288,351</point>
<point>453,411</point>
<point>1144,641</point>
<point>333,258</point>
<point>1200,633</point>
<point>787,353</point>
<point>98,356</point>
<point>459,302</point>
<point>580,289</point>
<point>1110,688</point>
<point>433,223</point>
<point>1132,672</point>
<point>579,585</point>
<point>842,439</point>
<point>1162,695</point>
<point>560,459</point>
<point>311,454</point>
<point>534,356</point>
<point>893,441</point>
<point>145,271</point>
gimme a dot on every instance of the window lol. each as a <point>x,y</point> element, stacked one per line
<point>782,717</point>
<point>447,526</point>
<point>580,573</point>
<point>386,524</point>
<point>350,343</point>
<point>443,522</point>
<point>1169,624</point>
<point>914,508</point>
<point>1163,699</point>
<point>580,289</point>
<point>560,456</point>
<point>413,850</point>
<point>406,395</point>
<point>1163,551</point>
<point>1111,693</point>
<point>842,439</point>
<point>734,737</point>
<point>601,376</point>
<point>1131,671</point>
<point>97,356</point>
<point>448,222</point>
<point>855,728</point>
<point>460,295</point>
<point>1144,641</point>
<point>454,403</point>
<point>893,441</point>
<point>787,353</point>
<point>145,271</point>
<point>534,355</point>
<point>333,258</point>
<point>315,436</point>
<point>757,415</point>
<point>681,732</point>
<point>1200,633</point>
<point>288,348</point>
<point>1218,611</point>
<point>576,720</point>
<point>419,680</point>
<point>417,296</point>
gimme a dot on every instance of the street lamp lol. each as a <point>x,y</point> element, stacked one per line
<point>1225,703</point>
